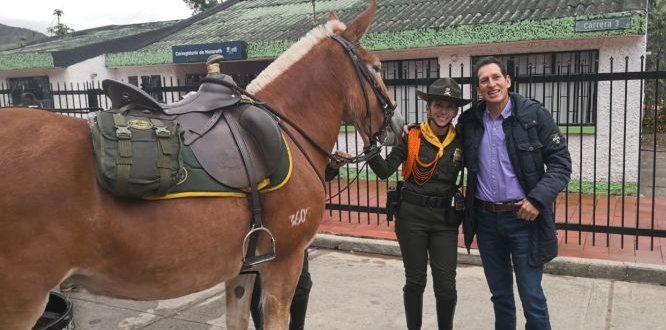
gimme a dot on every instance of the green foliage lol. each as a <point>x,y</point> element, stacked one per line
<point>59,30</point>
<point>652,121</point>
<point>656,46</point>
<point>199,6</point>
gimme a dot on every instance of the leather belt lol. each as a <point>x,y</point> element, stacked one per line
<point>497,207</point>
<point>425,200</point>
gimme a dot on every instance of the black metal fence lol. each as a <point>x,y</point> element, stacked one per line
<point>614,122</point>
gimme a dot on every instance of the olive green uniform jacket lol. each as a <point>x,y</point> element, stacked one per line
<point>443,181</point>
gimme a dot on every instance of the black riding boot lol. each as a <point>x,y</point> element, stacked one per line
<point>299,306</point>
<point>255,307</point>
<point>413,310</point>
<point>446,308</point>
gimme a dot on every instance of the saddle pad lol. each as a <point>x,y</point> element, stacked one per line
<point>196,182</point>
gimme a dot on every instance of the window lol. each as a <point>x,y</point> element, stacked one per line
<point>31,91</point>
<point>150,84</point>
<point>543,77</point>
<point>194,79</point>
<point>404,78</point>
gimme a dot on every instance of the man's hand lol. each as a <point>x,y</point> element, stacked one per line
<point>406,128</point>
<point>527,211</point>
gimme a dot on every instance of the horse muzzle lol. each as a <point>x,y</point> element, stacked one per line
<point>392,133</point>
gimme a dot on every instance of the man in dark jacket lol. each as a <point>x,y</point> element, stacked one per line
<point>517,162</point>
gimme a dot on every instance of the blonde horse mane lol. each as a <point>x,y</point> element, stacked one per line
<point>295,52</point>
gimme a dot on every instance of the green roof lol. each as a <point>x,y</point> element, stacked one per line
<point>269,27</point>
<point>40,53</point>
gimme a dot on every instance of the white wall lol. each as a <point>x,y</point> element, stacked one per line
<point>624,146</point>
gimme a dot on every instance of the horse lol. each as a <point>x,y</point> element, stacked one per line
<point>58,223</point>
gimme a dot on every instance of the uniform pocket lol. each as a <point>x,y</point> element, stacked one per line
<point>530,156</point>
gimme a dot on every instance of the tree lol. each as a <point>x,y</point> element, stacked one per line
<point>655,90</point>
<point>59,29</point>
<point>199,6</point>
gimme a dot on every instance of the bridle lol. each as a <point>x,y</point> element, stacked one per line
<point>383,99</point>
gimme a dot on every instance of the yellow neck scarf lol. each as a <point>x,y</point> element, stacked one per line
<point>422,172</point>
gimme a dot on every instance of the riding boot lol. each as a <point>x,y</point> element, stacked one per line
<point>299,306</point>
<point>413,309</point>
<point>446,308</point>
<point>255,305</point>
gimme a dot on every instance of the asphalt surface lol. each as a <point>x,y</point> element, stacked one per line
<point>358,285</point>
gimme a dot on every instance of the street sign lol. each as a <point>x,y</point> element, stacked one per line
<point>231,50</point>
<point>603,24</point>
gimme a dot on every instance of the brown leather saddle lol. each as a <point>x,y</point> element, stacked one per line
<point>216,123</point>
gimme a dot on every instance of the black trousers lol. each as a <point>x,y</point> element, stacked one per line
<point>424,235</point>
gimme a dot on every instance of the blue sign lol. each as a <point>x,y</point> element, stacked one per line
<point>231,50</point>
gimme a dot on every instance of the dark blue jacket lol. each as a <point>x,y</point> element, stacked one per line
<point>540,157</point>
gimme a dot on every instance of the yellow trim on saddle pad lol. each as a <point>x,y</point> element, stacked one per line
<point>264,186</point>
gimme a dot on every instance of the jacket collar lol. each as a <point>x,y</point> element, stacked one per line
<point>520,104</point>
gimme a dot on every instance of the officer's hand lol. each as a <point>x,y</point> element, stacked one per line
<point>527,211</point>
<point>337,164</point>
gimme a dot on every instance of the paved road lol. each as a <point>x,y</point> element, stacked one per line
<point>363,291</point>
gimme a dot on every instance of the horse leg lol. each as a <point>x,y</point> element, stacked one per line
<point>21,310</point>
<point>278,282</point>
<point>238,294</point>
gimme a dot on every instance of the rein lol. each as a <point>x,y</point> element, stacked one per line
<point>361,72</point>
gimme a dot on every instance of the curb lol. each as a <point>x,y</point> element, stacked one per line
<point>567,266</point>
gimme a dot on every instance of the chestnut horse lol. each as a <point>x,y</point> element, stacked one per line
<point>57,222</point>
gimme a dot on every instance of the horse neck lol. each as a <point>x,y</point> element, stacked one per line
<point>313,104</point>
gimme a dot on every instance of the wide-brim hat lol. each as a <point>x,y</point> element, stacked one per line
<point>445,89</point>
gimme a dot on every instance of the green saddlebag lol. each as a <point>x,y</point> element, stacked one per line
<point>136,156</point>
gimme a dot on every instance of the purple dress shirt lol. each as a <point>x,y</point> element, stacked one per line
<point>497,181</point>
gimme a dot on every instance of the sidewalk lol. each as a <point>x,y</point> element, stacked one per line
<point>364,291</point>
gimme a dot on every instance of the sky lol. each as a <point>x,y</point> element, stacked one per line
<point>38,15</point>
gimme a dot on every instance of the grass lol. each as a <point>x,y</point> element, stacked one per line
<point>575,186</point>
<point>602,187</point>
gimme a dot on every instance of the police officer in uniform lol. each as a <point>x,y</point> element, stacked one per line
<point>426,221</point>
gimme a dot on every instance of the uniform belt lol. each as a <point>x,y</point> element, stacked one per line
<point>497,207</point>
<point>425,200</point>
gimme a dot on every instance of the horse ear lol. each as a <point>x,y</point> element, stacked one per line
<point>357,29</point>
<point>332,16</point>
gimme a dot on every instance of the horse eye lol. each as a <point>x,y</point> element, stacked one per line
<point>377,68</point>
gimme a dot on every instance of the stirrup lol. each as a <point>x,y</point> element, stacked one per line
<point>255,260</point>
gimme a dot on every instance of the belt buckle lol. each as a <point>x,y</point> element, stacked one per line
<point>496,207</point>
<point>430,201</point>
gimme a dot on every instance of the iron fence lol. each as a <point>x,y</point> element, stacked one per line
<point>614,122</point>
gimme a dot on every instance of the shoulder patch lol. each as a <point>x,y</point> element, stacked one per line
<point>556,139</point>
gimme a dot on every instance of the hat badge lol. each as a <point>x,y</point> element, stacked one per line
<point>447,91</point>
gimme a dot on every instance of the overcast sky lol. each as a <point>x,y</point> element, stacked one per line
<point>84,14</point>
